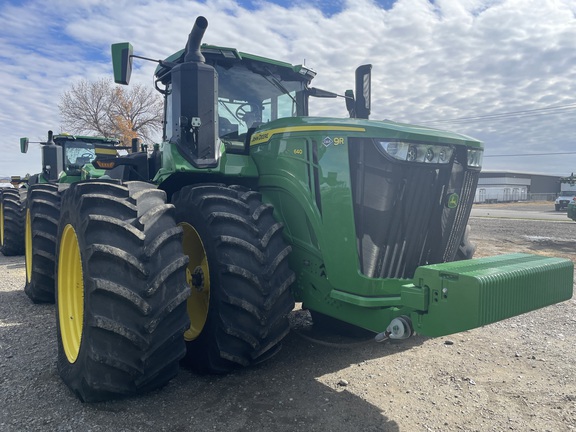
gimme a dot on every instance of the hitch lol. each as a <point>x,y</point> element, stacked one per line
<point>399,328</point>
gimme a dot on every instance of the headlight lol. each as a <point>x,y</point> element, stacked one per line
<point>475,158</point>
<point>412,152</point>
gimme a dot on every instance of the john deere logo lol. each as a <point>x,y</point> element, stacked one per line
<point>452,201</point>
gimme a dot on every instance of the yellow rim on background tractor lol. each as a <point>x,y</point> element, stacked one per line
<point>28,246</point>
<point>1,224</point>
<point>198,277</point>
<point>70,293</point>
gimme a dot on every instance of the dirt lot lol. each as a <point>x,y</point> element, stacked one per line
<point>516,375</point>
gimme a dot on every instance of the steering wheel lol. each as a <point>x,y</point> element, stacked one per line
<point>242,111</point>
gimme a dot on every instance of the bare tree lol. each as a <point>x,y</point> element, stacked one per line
<point>112,111</point>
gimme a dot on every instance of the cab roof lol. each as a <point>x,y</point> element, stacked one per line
<point>226,57</point>
<point>91,139</point>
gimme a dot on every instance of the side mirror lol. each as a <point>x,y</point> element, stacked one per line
<point>363,91</point>
<point>349,95</point>
<point>24,145</point>
<point>122,62</point>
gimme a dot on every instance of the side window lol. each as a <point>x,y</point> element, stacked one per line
<point>286,105</point>
<point>268,111</point>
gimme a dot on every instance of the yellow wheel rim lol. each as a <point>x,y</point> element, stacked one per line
<point>28,246</point>
<point>1,224</point>
<point>198,277</point>
<point>70,294</point>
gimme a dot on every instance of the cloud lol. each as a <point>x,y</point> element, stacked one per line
<point>432,61</point>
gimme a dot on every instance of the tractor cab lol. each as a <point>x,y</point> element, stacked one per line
<point>250,91</point>
<point>65,156</point>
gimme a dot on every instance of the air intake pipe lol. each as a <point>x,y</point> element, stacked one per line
<point>194,103</point>
<point>193,53</point>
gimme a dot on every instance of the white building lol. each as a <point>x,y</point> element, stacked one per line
<point>509,186</point>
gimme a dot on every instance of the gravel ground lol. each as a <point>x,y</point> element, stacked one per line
<point>514,375</point>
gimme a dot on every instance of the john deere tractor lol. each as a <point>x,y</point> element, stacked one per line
<point>65,159</point>
<point>12,206</point>
<point>359,220</point>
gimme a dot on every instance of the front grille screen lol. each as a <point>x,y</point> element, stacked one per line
<point>401,213</point>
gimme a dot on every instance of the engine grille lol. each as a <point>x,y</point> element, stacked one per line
<point>402,220</point>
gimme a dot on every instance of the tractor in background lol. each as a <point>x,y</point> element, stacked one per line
<point>65,159</point>
<point>12,207</point>
<point>250,204</point>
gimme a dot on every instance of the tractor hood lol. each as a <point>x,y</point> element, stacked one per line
<point>362,128</point>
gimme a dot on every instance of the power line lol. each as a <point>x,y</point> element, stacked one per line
<point>511,114</point>
<point>530,154</point>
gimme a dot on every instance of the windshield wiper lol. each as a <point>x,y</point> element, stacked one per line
<point>228,109</point>
<point>276,82</point>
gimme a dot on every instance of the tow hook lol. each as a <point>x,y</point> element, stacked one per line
<point>399,328</point>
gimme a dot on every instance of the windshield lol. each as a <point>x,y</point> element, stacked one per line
<point>250,94</point>
<point>248,97</point>
<point>77,154</point>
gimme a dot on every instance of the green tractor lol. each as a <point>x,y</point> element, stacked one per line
<point>65,159</point>
<point>12,207</point>
<point>361,221</point>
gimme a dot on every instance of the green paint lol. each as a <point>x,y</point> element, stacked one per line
<point>315,173</point>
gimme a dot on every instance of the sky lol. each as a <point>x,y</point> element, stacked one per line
<point>502,71</point>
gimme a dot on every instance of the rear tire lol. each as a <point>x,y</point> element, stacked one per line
<point>121,290</point>
<point>12,204</point>
<point>239,276</point>
<point>41,229</point>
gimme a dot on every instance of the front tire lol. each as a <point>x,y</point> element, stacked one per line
<point>12,205</point>
<point>239,276</point>
<point>121,290</point>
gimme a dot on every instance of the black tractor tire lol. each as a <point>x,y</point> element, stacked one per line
<point>12,205</point>
<point>41,229</point>
<point>467,248</point>
<point>239,276</point>
<point>121,290</point>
